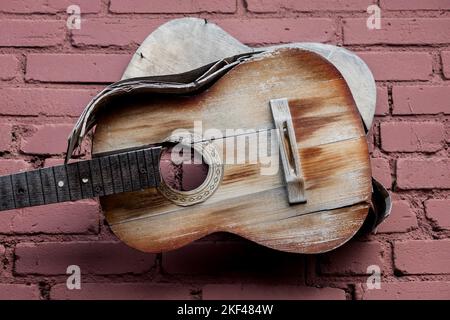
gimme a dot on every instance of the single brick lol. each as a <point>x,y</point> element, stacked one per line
<point>265,6</point>
<point>382,102</point>
<point>422,256</point>
<point>232,258</point>
<point>279,30</point>
<point>172,6</point>
<point>47,139</point>
<point>438,210</point>
<point>31,33</point>
<point>121,291</point>
<point>10,166</point>
<point>9,67</point>
<point>119,32</point>
<point>432,173</point>
<point>381,171</point>
<point>5,136</point>
<point>266,292</point>
<point>352,259</point>
<point>398,65</point>
<point>446,63</point>
<point>98,257</point>
<point>406,290</point>
<point>68,217</point>
<point>415,4</point>
<point>19,292</point>
<point>76,67</point>
<point>51,162</point>
<point>401,219</point>
<point>51,102</point>
<point>48,6</point>
<point>408,136</point>
<point>397,31</point>
<point>421,99</point>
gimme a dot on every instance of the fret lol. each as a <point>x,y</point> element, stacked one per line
<point>125,169</point>
<point>105,167</point>
<point>116,173</point>
<point>134,170</point>
<point>85,179</point>
<point>142,169</point>
<point>20,190</point>
<point>74,181</point>
<point>35,188</point>
<point>6,194</point>
<point>96,174</point>
<point>149,164</point>
<point>155,157</point>
<point>48,185</point>
<point>62,183</point>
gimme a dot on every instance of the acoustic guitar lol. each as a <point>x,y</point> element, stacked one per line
<point>312,196</point>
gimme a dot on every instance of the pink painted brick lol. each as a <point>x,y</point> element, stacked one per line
<point>172,6</point>
<point>446,63</point>
<point>401,219</point>
<point>9,67</point>
<point>51,162</point>
<point>48,6</point>
<point>2,255</point>
<point>121,291</point>
<point>228,259</point>
<point>406,290</point>
<point>46,101</point>
<point>352,259</point>
<point>19,292</point>
<point>31,33</point>
<point>5,136</point>
<point>398,65</point>
<point>279,30</point>
<point>422,256</point>
<point>266,292</point>
<point>415,4</point>
<point>79,217</point>
<point>397,31</point>
<point>265,6</point>
<point>9,166</point>
<point>370,142</point>
<point>382,102</point>
<point>421,100</point>
<point>433,173</point>
<point>381,171</point>
<point>98,257</point>
<point>47,139</point>
<point>76,67</point>
<point>438,210</point>
<point>407,136</point>
<point>119,32</point>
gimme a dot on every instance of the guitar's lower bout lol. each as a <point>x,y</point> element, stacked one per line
<point>331,147</point>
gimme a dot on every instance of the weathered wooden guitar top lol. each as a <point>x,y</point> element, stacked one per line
<point>329,142</point>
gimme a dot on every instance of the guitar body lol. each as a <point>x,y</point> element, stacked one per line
<point>330,143</point>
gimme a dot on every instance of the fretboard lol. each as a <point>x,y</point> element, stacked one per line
<point>105,175</point>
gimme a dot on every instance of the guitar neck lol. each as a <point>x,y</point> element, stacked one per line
<point>105,175</point>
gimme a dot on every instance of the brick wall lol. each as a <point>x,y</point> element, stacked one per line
<point>48,73</point>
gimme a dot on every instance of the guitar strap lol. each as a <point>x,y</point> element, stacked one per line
<point>188,83</point>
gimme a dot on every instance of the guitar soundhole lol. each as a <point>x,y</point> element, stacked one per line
<point>186,175</point>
